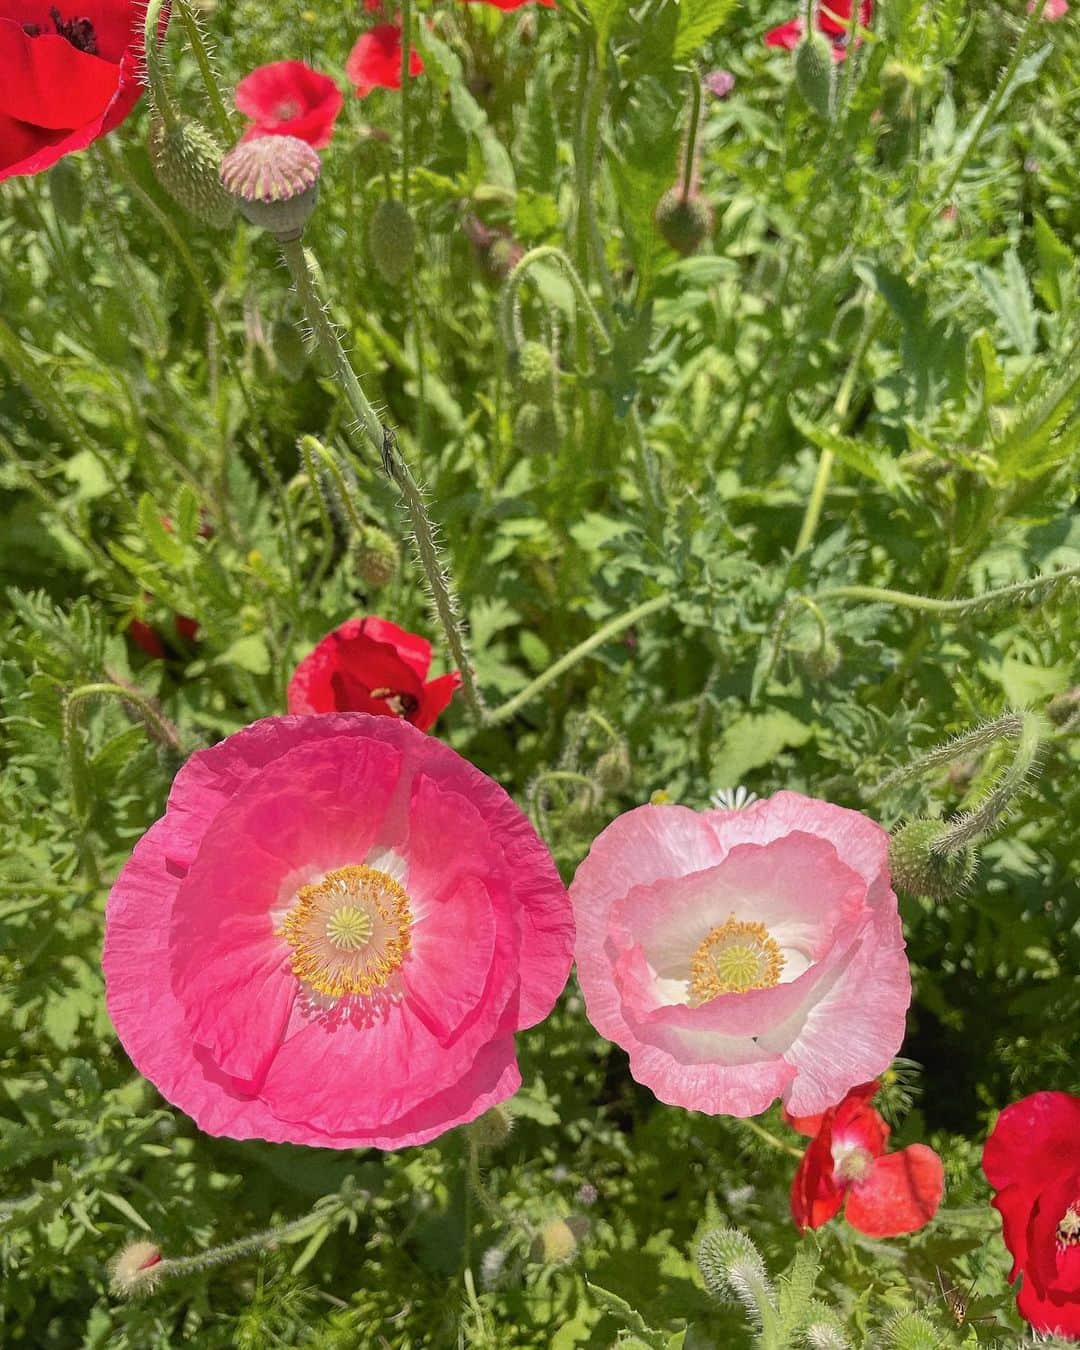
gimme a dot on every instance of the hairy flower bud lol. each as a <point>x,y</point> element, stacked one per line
<point>537,430</point>
<point>377,557</point>
<point>535,369</point>
<point>492,1129</point>
<point>187,162</point>
<point>392,238</point>
<point>135,1269</point>
<point>613,769</point>
<point>1064,708</point>
<point>822,662</point>
<point>558,1240</point>
<point>815,74</point>
<point>275,180</point>
<point>684,220</point>
<point>917,868</point>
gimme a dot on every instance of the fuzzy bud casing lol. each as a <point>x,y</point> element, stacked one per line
<point>135,1269</point>
<point>493,1128</point>
<point>815,74</point>
<point>537,430</point>
<point>392,238</point>
<point>275,180</point>
<point>685,220</point>
<point>376,558</point>
<point>187,162</point>
<point>917,868</point>
<point>535,369</point>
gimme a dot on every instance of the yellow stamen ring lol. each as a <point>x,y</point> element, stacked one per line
<point>733,959</point>
<point>1068,1230</point>
<point>348,933</point>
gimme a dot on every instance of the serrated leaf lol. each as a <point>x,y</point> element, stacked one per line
<point>698,20</point>
<point>153,530</point>
<point>868,460</point>
<point>1055,264</point>
<point>1010,297</point>
<point>753,740</point>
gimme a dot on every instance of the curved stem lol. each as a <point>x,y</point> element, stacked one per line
<point>983,819</point>
<point>692,134</point>
<point>150,715</point>
<point>769,1138</point>
<point>155,79</point>
<point>517,276</point>
<point>1006,727</point>
<point>231,1251</point>
<point>609,630</point>
<point>1019,590</point>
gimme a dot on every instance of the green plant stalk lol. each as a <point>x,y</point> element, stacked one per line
<point>155,77</point>
<point>1019,590</point>
<point>511,335</point>
<point>692,133</point>
<point>991,106</point>
<point>769,1138</point>
<point>1008,726</point>
<point>199,49</point>
<point>151,717</point>
<point>608,630</point>
<point>816,501</point>
<point>171,1267</point>
<point>311,447</point>
<point>395,467</point>
<point>971,826</point>
<point>406,82</point>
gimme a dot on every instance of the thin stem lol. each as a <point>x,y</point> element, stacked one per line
<point>517,276</point>
<point>1019,590</point>
<point>692,134</point>
<point>973,825</point>
<point>154,720</point>
<point>406,82</point>
<point>991,106</point>
<point>394,465</point>
<point>312,447</point>
<point>202,57</point>
<point>609,630</point>
<point>478,1187</point>
<point>769,1138</point>
<point>155,79</point>
<point>1007,727</point>
<point>230,1251</point>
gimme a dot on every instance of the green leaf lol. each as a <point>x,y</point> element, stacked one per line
<point>163,542</point>
<point>753,740</point>
<point>1055,264</point>
<point>604,14</point>
<point>249,653</point>
<point>125,1208</point>
<point>698,20</point>
<point>1010,297</point>
<point>872,463</point>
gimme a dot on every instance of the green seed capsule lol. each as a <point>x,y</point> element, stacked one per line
<point>815,74</point>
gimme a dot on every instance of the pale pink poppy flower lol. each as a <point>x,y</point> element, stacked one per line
<point>332,935</point>
<point>741,956</point>
<point>1053,10</point>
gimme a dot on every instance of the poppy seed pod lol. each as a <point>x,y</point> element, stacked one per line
<point>815,74</point>
<point>376,558</point>
<point>684,219</point>
<point>275,180</point>
<point>392,237</point>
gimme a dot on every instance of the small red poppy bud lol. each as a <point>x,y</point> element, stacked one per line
<point>815,74</point>
<point>684,219</point>
<point>187,161</point>
<point>275,180</point>
<point>392,237</point>
<point>135,1269</point>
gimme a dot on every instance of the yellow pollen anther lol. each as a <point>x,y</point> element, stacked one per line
<point>734,958</point>
<point>348,933</point>
<point>854,1164</point>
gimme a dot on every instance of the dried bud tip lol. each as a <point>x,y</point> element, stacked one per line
<point>135,1269</point>
<point>275,180</point>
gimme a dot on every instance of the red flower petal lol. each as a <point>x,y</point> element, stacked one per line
<point>1014,1206</point>
<point>147,639</point>
<point>375,61</point>
<point>786,35</point>
<point>1033,1140</point>
<point>288,98</point>
<point>815,1194</point>
<point>900,1194</point>
<point>1048,1266</point>
<point>414,650</point>
<point>511,4</point>
<point>1059,1317</point>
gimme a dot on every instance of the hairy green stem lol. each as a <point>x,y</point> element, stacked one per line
<point>608,630</point>
<point>197,43</point>
<point>690,150</point>
<point>232,1251</point>
<point>1008,726</point>
<point>406,83</point>
<point>971,826</point>
<point>385,443</point>
<point>153,719</point>
<point>1019,590</point>
<point>155,78</point>
<point>769,1138</point>
<point>511,335</point>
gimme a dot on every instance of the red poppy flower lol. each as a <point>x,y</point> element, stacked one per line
<point>511,4</point>
<point>833,18</point>
<point>70,74</point>
<point>887,1193</point>
<point>1032,1160</point>
<point>373,666</point>
<point>288,98</point>
<point>375,61</point>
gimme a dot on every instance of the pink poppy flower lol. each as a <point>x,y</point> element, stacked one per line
<point>371,665</point>
<point>832,19</point>
<point>886,1194</point>
<point>740,956</point>
<point>288,98</point>
<point>375,60</point>
<point>1054,10</point>
<point>332,935</point>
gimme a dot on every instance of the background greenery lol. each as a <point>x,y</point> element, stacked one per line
<point>896,289</point>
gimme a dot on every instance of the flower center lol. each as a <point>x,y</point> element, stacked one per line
<point>287,109</point>
<point>79,32</point>
<point>734,958</point>
<point>853,1164</point>
<point>399,703</point>
<point>1068,1230</point>
<point>348,933</point>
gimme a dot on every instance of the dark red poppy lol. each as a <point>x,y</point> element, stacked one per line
<point>288,98</point>
<point>511,4</point>
<point>886,1193</point>
<point>371,665</point>
<point>833,18</point>
<point>375,61</point>
<point>70,73</point>
<point>1032,1160</point>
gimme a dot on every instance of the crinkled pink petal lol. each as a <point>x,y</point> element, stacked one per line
<point>746,1083</point>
